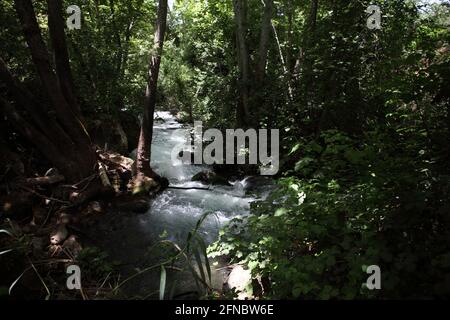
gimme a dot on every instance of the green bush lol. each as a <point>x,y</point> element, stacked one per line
<point>348,206</point>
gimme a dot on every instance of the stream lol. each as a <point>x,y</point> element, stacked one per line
<point>130,237</point>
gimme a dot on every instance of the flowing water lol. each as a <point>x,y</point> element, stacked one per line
<point>177,211</point>
<point>130,237</point>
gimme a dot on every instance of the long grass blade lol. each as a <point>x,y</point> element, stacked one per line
<point>172,290</point>
<point>202,244</point>
<point>162,283</point>
<point>6,251</point>
<point>47,297</point>
<point>17,280</point>
<point>7,232</point>
<point>198,259</point>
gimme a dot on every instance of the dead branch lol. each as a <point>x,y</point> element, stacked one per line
<point>188,188</point>
<point>44,181</point>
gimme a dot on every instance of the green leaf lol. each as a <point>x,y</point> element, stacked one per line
<point>280,212</point>
<point>295,148</point>
<point>303,163</point>
<point>198,259</point>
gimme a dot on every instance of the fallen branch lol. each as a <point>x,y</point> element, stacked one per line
<point>45,197</point>
<point>103,175</point>
<point>188,188</point>
<point>32,182</point>
<point>44,181</point>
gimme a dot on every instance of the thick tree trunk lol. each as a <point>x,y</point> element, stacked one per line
<point>10,161</point>
<point>143,157</point>
<point>61,55</point>
<point>62,139</point>
<point>37,113</point>
<point>240,17</point>
<point>40,141</point>
<point>42,63</point>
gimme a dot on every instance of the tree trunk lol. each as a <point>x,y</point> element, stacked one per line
<point>290,13</point>
<point>61,55</point>
<point>308,36</point>
<point>240,17</point>
<point>61,138</point>
<point>37,113</point>
<point>42,63</point>
<point>143,156</point>
<point>283,64</point>
<point>264,40</point>
<point>40,141</point>
<point>308,65</point>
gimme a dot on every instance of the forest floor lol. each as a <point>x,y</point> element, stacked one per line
<point>43,233</point>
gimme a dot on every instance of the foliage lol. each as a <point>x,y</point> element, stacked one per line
<point>349,206</point>
<point>95,263</point>
<point>191,257</point>
<point>364,117</point>
<point>365,176</point>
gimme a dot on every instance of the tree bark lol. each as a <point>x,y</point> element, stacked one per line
<point>42,63</point>
<point>118,39</point>
<point>143,156</point>
<point>240,17</point>
<point>308,61</point>
<point>60,54</point>
<point>290,14</point>
<point>41,142</point>
<point>65,142</point>
<point>264,40</point>
<point>308,36</point>
<point>37,113</point>
<point>283,64</point>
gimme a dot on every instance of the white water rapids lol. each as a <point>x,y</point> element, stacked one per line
<point>177,211</point>
<point>130,238</point>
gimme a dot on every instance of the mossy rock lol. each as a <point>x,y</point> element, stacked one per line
<point>143,185</point>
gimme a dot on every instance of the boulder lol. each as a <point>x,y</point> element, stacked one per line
<point>240,279</point>
<point>210,177</point>
<point>182,117</point>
